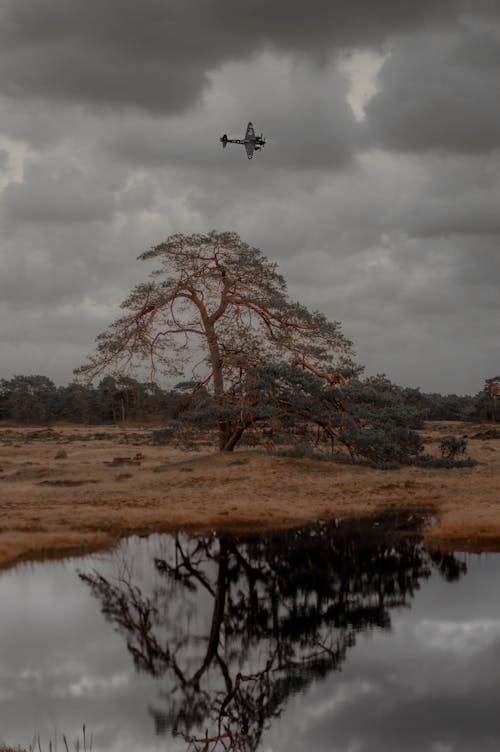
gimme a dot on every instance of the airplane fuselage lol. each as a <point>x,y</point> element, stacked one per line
<point>251,141</point>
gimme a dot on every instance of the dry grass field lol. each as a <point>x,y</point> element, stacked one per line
<point>70,489</point>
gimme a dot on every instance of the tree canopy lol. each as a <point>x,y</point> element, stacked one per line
<point>215,308</point>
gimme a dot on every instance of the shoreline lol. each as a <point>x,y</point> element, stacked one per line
<point>71,490</point>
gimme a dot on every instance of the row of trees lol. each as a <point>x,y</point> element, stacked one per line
<point>35,399</point>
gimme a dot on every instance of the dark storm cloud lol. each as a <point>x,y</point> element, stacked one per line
<point>155,55</point>
<point>438,91</point>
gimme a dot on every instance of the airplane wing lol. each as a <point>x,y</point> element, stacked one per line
<point>249,148</point>
<point>250,131</point>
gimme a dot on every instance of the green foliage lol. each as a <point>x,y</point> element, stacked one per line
<point>448,407</point>
<point>35,400</point>
<point>27,399</point>
<point>379,425</point>
<point>443,463</point>
<point>381,443</point>
<point>368,417</point>
<point>450,446</point>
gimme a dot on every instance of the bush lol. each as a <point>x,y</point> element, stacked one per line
<point>388,466</point>
<point>450,446</point>
<point>162,436</point>
<point>429,461</point>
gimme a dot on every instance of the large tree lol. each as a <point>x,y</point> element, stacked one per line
<point>213,309</point>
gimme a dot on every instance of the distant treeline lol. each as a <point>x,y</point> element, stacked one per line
<point>37,400</point>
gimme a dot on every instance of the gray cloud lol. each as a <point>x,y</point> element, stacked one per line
<point>437,91</point>
<point>155,55</point>
<point>62,196</point>
<point>37,122</point>
<point>304,130</point>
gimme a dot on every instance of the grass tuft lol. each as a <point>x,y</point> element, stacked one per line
<point>83,744</point>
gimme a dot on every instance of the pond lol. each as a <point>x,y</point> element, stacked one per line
<point>342,636</point>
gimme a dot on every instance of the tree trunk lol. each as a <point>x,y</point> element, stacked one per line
<point>226,427</point>
<point>217,613</point>
<point>232,437</point>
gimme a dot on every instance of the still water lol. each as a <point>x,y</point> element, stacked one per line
<point>341,637</point>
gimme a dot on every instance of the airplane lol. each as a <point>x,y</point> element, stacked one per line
<point>251,142</point>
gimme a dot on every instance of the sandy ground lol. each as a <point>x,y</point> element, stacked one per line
<point>69,489</point>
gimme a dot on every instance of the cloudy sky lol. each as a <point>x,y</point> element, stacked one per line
<point>378,191</point>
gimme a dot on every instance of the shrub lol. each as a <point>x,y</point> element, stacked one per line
<point>450,446</point>
<point>429,461</point>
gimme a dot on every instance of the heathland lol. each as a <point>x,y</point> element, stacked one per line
<point>67,489</point>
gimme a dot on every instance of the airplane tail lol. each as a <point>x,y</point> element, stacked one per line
<point>224,140</point>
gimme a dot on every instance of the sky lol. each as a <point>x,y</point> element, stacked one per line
<point>377,192</point>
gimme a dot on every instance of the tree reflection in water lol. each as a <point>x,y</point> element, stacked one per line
<point>237,624</point>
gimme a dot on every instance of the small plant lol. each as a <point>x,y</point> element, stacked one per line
<point>429,461</point>
<point>80,745</point>
<point>451,446</point>
<point>389,465</point>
